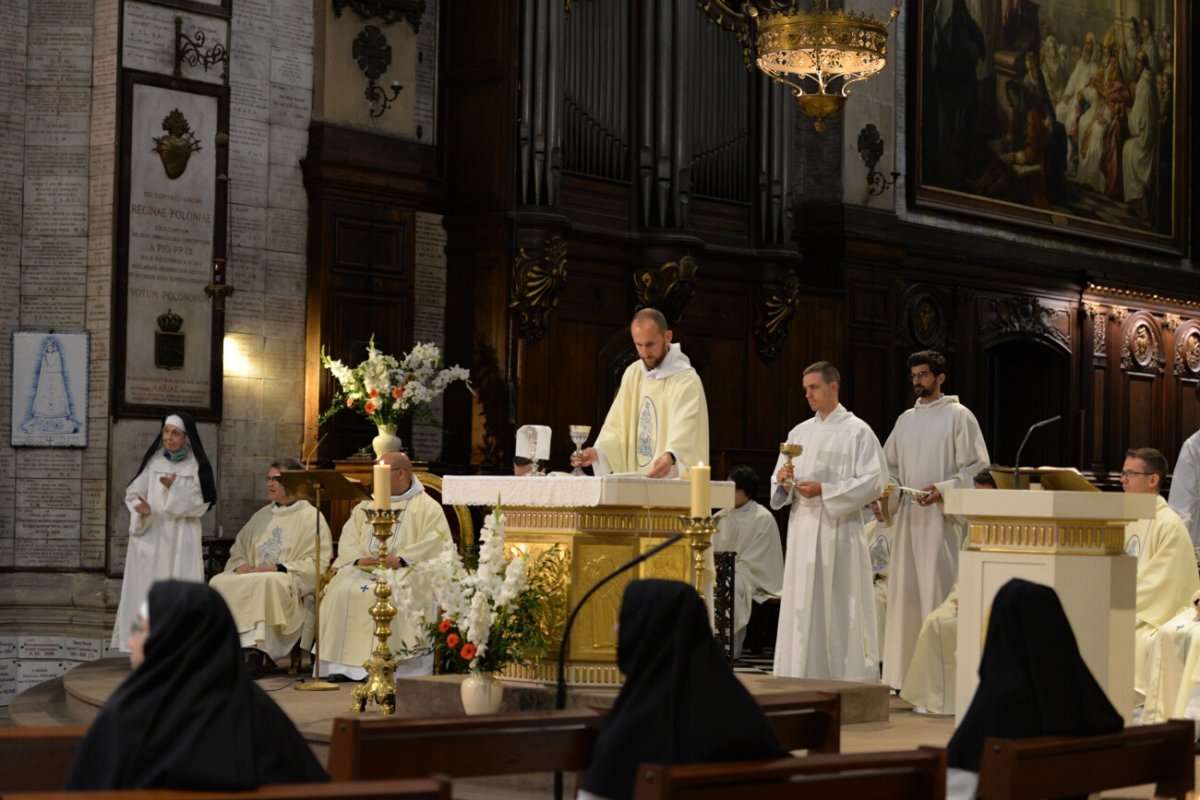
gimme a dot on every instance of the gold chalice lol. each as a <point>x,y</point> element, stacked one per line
<point>791,450</point>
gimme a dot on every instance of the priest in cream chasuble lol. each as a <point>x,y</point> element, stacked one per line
<point>347,629</point>
<point>658,422</point>
<point>272,570</point>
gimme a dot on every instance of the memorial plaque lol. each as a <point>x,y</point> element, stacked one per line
<point>48,12</point>
<point>55,313</point>
<point>62,130</point>
<point>248,188</point>
<point>59,99</point>
<point>174,222</point>
<point>91,554</point>
<point>58,221</point>
<point>252,18</point>
<point>42,161</point>
<point>150,40</point>
<point>292,25</point>
<point>288,145</point>
<point>248,141</point>
<point>286,312</point>
<point>244,314</point>
<point>61,253</point>
<point>250,266</point>
<point>250,98</point>
<point>248,226</point>
<point>292,67</point>
<point>60,524</point>
<point>286,230</point>
<point>286,188</point>
<point>290,107</point>
<point>104,69</point>
<point>12,96</point>
<point>12,161</point>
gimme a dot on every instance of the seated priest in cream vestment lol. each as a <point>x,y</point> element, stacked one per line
<point>271,571</point>
<point>749,530</point>
<point>347,630</point>
<point>1172,668</point>
<point>1166,569</point>
<point>930,681</point>
<point>658,422</point>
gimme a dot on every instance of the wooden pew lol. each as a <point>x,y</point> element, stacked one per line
<point>36,759</point>
<point>1058,766</point>
<point>410,789</point>
<point>809,721</point>
<point>463,747</point>
<point>538,741</point>
<point>908,775</point>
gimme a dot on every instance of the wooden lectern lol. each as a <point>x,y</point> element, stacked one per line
<point>334,486</point>
<point>1073,542</point>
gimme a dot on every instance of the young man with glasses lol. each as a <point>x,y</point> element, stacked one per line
<point>936,445</point>
<point>1166,571</point>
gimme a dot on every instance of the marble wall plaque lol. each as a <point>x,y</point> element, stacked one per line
<point>149,42</point>
<point>60,55</point>
<point>48,252</point>
<point>172,219</point>
<point>40,161</point>
<point>55,313</point>
<point>290,107</point>
<point>252,17</point>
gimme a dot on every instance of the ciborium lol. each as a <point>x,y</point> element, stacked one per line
<point>579,435</point>
<point>790,450</point>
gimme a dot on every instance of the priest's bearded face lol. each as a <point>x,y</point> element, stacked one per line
<point>925,384</point>
<point>651,343</point>
<point>173,438</point>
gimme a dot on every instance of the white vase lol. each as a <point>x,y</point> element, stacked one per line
<point>482,693</point>
<point>387,441</point>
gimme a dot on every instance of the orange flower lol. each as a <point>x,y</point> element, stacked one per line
<point>445,625</point>
<point>374,393</point>
<point>468,651</point>
<point>369,407</point>
<point>349,402</point>
<point>398,392</point>
<point>452,641</point>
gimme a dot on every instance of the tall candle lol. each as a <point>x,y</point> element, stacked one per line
<point>701,491</point>
<point>383,487</point>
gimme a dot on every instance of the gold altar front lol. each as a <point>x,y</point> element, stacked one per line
<point>592,543</point>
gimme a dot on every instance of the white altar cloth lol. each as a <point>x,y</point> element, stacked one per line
<point>576,491</point>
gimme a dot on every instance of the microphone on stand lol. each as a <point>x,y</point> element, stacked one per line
<point>1017,460</point>
<point>560,700</point>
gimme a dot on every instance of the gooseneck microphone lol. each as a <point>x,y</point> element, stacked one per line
<point>1017,460</point>
<point>560,700</point>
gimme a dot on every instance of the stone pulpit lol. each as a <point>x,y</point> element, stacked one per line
<point>1072,541</point>
<point>598,525</point>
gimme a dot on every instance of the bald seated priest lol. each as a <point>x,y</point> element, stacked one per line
<point>658,422</point>
<point>421,533</point>
<point>271,572</point>
<point>1166,563</point>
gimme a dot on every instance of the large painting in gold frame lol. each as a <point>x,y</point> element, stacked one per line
<point>1069,115</point>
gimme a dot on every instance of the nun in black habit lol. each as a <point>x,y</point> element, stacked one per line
<point>681,703</point>
<point>173,490</point>
<point>1032,682</point>
<point>189,716</point>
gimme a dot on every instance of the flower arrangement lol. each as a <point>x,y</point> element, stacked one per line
<point>386,390</point>
<point>493,615</point>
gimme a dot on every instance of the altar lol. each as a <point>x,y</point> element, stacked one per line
<point>1073,542</point>
<point>598,524</point>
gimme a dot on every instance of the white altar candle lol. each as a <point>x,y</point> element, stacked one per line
<point>383,487</point>
<point>701,491</point>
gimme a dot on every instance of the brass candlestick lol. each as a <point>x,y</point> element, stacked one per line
<point>380,685</point>
<point>699,531</point>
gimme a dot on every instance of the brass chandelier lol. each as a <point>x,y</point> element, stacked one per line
<point>819,53</point>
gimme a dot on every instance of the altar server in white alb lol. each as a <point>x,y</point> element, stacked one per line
<point>827,625</point>
<point>749,530</point>
<point>935,446</point>
<point>347,630</point>
<point>1185,487</point>
<point>272,568</point>
<point>173,489</point>
<point>1166,568</point>
<point>658,422</point>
